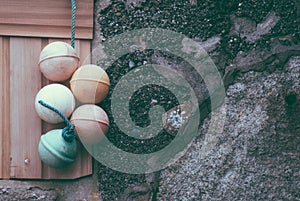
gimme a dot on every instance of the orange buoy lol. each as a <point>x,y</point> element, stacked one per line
<point>91,123</point>
<point>90,84</point>
<point>58,96</point>
<point>58,61</point>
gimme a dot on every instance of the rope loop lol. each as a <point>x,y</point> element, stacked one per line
<point>68,132</point>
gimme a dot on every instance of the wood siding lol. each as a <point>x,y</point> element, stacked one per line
<point>44,18</point>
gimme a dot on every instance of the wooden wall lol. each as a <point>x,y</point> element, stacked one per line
<point>20,81</point>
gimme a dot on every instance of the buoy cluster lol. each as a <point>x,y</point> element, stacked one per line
<point>89,85</point>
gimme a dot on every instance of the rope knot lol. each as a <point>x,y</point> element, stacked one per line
<point>68,133</point>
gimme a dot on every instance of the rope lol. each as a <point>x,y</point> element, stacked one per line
<point>68,132</point>
<point>73,23</point>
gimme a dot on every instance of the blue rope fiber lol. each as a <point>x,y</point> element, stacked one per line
<point>73,23</point>
<point>68,132</point>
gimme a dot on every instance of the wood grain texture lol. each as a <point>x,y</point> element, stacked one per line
<point>44,18</point>
<point>25,82</point>
<point>4,108</point>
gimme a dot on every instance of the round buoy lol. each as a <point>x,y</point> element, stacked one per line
<point>91,123</point>
<point>60,97</point>
<point>55,151</point>
<point>90,84</point>
<point>58,61</point>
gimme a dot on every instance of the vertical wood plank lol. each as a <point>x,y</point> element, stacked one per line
<point>4,108</point>
<point>25,82</point>
<point>83,164</point>
<point>84,50</point>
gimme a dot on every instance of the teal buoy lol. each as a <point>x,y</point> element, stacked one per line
<point>55,151</point>
<point>58,148</point>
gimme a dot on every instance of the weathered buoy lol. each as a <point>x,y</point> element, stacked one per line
<point>58,61</point>
<point>90,84</point>
<point>91,123</point>
<point>60,97</point>
<point>55,151</point>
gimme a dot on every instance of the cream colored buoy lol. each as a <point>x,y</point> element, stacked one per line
<point>58,96</point>
<point>90,84</point>
<point>58,61</point>
<point>91,123</point>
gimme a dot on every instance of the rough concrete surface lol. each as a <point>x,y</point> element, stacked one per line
<point>17,190</point>
<point>254,45</point>
<point>257,156</point>
<point>67,190</point>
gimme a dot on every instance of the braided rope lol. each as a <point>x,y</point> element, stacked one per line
<point>73,23</point>
<point>68,132</point>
